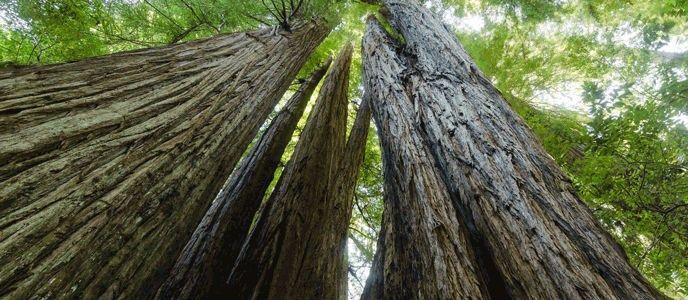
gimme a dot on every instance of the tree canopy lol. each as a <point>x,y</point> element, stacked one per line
<point>602,83</point>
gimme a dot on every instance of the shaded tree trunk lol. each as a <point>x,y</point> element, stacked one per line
<point>107,164</point>
<point>347,175</point>
<point>286,254</point>
<point>204,264</point>
<point>504,221</point>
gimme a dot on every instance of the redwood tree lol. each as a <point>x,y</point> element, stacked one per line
<point>474,205</point>
<point>203,266</point>
<point>108,164</point>
<point>288,253</point>
<point>349,168</point>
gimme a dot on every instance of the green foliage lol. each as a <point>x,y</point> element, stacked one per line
<point>49,31</point>
<point>634,175</point>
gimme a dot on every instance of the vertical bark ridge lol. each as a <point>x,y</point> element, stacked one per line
<point>423,250</point>
<point>543,241</point>
<point>108,163</point>
<point>204,264</point>
<point>286,254</point>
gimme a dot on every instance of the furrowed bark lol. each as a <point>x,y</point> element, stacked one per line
<point>422,251</point>
<point>533,235</point>
<point>107,164</point>
<point>203,266</point>
<point>347,175</point>
<point>286,254</point>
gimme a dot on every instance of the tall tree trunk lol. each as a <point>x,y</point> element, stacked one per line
<point>422,238</point>
<point>208,257</point>
<point>286,255</point>
<point>519,223</point>
<point>347,175</point>
<point>108,164</point>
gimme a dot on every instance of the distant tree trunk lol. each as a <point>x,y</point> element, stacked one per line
<point>504,221</point>
<point>286,254</point>
<point>108,164</point>
<point>204,265</point>
<point>347,175</point>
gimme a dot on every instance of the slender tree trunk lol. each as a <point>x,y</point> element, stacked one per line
<point>286,254</point>
<point>457,155</point>
<point>207,259</point>
<point>347,175</point>
<point>107,164</point>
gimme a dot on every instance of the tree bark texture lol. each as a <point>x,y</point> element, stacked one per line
<point>504,221</point>
<point>204,265</point>
<point>108,164</point>
<point>285,255</point>
<point>423,243</point>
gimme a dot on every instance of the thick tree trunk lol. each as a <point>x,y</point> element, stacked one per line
<point>204,264</point>
<point>457,156</point>
<point>425,253</point>
<point>107,164</point>
<point>285,256</point>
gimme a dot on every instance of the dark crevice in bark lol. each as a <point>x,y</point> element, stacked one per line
<point>491,279</point>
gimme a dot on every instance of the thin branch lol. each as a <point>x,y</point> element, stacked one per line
<point>351,271</point>
<point>183,34</point>
<point>163,14</point>
<point>202,18</point>
<point>124,39</point>
<point>361,233</point>
<point>296,10</point>
<point>360,210</point>
<point>364,250</point>
<point>258,20</point>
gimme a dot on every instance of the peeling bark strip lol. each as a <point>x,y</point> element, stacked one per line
<point>107,164</point>
<point>204,264</point>
<point>286,254</point>
<point>524,227</point>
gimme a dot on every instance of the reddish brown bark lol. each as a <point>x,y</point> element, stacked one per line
<point>203,266</point>
<point>287,254</point>
<point>107,164</point>
<point>474,205</point>
<point>423,249</point>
